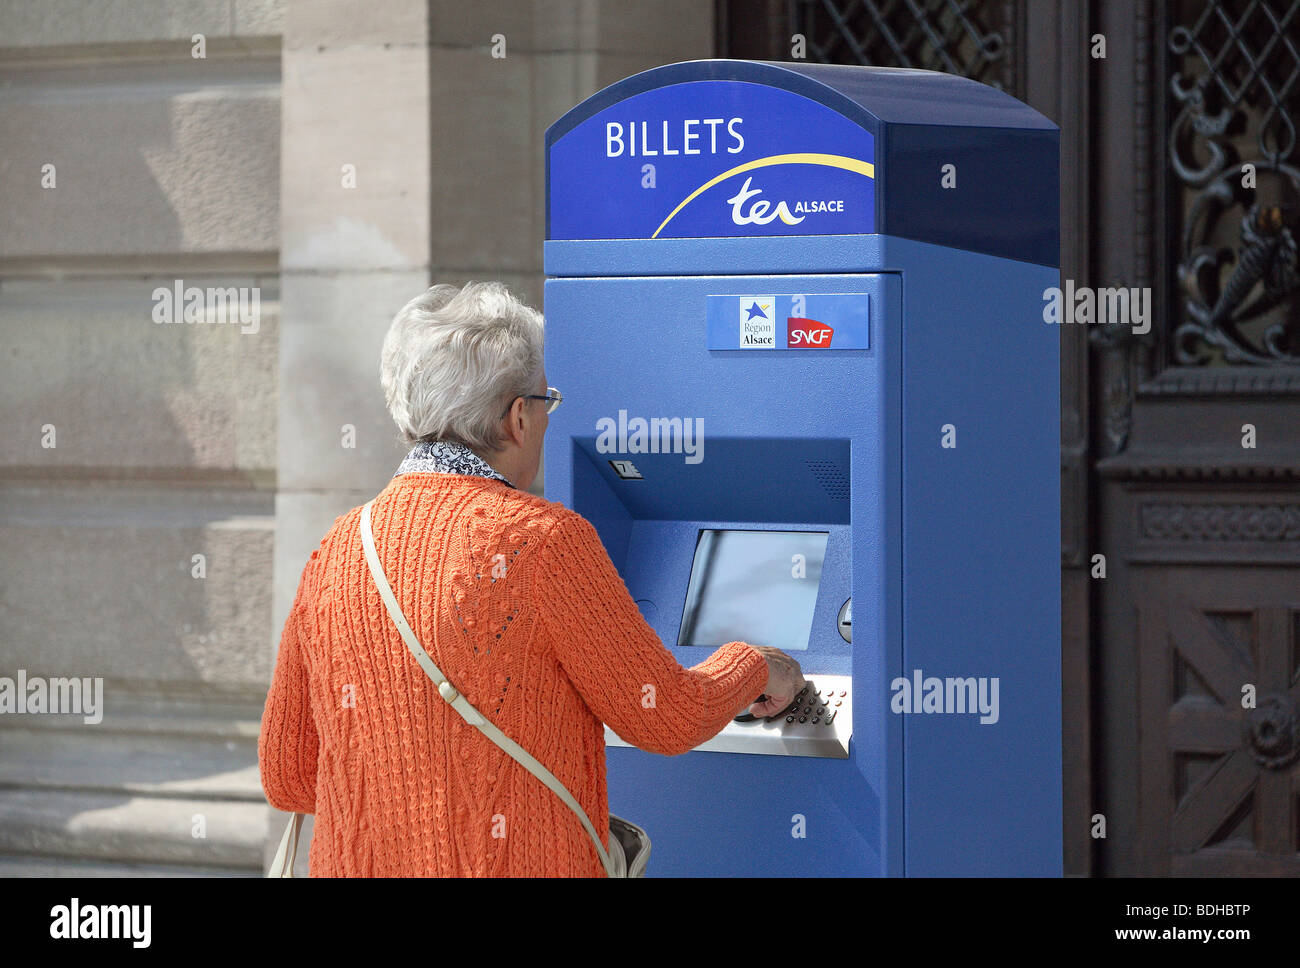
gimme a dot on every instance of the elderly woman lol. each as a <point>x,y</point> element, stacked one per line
<point>515,600</point>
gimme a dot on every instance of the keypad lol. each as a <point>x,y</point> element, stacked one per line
<point>817,722</point>
<point>812,706</point>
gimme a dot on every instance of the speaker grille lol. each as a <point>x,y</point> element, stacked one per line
<point>832,476</point>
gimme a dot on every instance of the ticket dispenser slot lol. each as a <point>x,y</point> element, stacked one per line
<point>753,544</point>
<point>769,587</point>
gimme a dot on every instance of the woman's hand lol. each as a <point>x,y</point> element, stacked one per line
<point>784,680</point>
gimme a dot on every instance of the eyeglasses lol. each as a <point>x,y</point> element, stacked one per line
<point>552,397</point>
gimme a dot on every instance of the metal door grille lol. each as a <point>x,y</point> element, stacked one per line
<point>964,37</point>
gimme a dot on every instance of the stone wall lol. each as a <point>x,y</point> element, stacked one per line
<point>137,468</point>
<point>230,441</point>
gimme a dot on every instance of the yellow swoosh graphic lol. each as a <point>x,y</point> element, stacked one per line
<point>803,158</point>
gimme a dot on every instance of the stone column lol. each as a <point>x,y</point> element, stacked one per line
<point>355,246</point>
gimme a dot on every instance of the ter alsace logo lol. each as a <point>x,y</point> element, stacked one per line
<point>807,334</point>
<point>758,212</point>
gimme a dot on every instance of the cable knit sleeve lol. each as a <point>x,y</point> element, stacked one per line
<point>287,745</point>
<point>614,659</point>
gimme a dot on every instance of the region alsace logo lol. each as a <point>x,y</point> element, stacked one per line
<point>757,322</point>
<point>807,334</point>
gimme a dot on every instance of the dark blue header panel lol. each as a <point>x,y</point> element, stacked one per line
<point>746,149</point>
<point>710,159</point>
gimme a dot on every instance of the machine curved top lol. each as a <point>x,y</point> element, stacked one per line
<point>868,95</point>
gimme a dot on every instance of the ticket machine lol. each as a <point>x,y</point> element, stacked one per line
<point>810,401</point>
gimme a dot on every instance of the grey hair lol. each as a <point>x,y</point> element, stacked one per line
<point>453,359</point>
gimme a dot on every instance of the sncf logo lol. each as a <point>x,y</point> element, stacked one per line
<point>807,334</point>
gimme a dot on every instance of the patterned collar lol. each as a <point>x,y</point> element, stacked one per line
<point>447,457</point>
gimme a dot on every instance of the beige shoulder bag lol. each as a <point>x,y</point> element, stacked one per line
<point>629,845</point>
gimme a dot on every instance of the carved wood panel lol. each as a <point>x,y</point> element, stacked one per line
<point>1219,672</point>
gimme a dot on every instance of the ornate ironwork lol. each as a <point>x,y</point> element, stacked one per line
<point>1235,87</point>
<point>954,36</point>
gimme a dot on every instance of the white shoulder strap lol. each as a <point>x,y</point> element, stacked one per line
<point>462,705</point>
<point>285,857</point>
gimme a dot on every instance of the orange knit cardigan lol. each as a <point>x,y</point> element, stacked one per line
<point>517,602</point>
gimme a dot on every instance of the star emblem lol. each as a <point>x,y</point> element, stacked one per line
<point>754,310</point>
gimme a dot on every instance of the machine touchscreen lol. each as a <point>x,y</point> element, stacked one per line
<point>753,586</point>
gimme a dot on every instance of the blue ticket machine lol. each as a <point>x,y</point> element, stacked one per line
<point>811,401</point>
